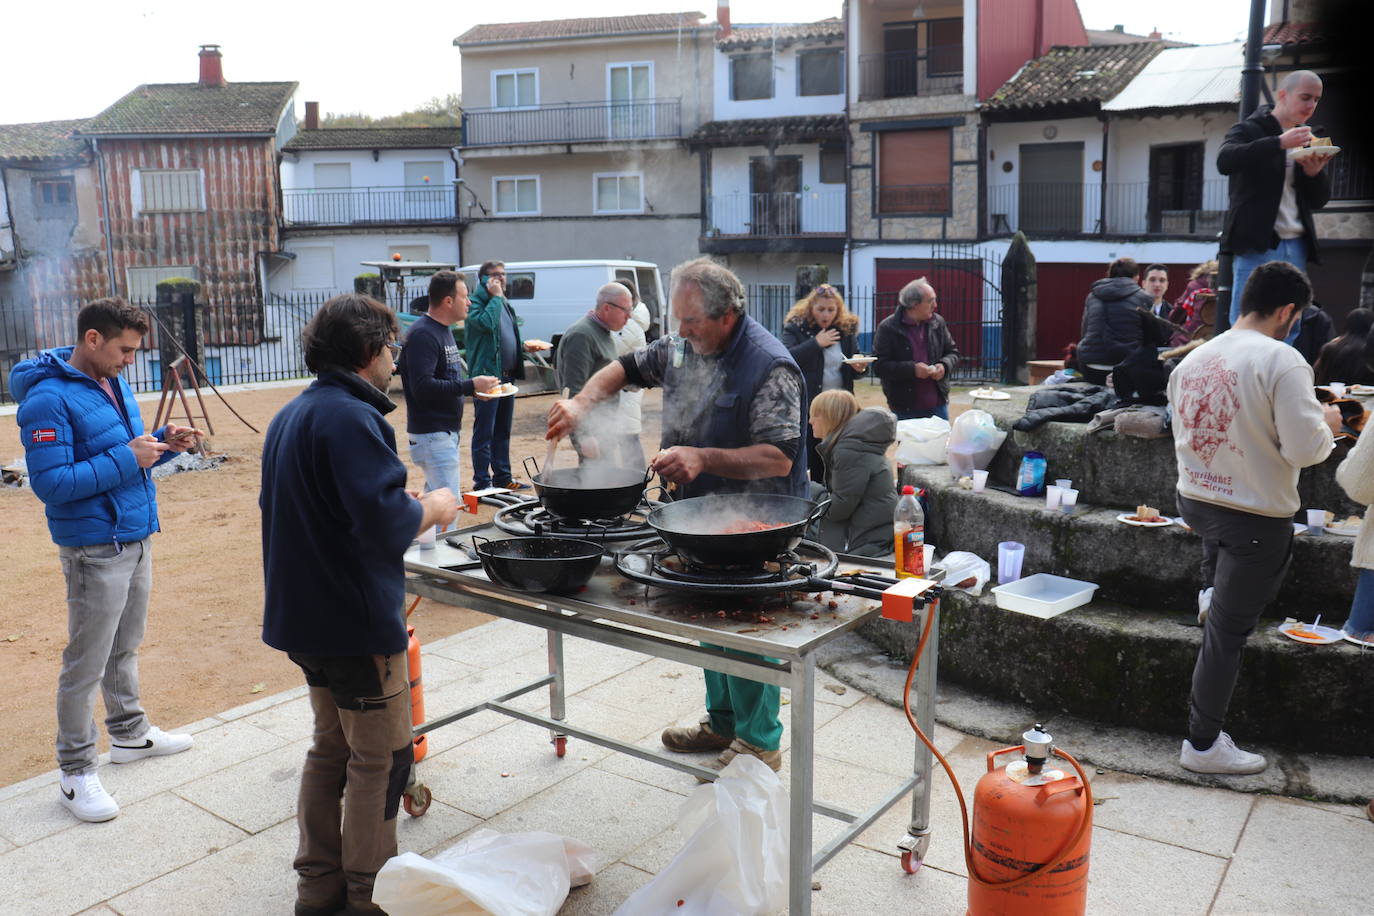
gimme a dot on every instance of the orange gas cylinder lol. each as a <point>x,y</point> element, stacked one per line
<point>417,693</point>
<point>1027,815</point>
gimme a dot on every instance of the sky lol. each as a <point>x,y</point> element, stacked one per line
<point>355,56</point>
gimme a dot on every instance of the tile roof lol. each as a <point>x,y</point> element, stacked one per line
<point>750,131</point>
<point>161,109</point>
<point>1289,34</point>
<point>41,140</point>
<point>1069,77</point>
<point>781,33</point>
<point>503,32</point>
<point>375,138</point>
<point>1185,77</point>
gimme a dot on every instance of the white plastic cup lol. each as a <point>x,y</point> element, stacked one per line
<point>1009,557</point>
<point>1337,388</point>
<point>960,463</point>
<point>426,538</point>
<point>1316,521</point>
<point>980,481</point>
<point>1064,483</point>
<point>1053,494</point>
<point>928,555</point>
<point>1067,500</point>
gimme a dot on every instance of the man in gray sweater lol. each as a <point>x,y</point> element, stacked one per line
<point>586,347</point>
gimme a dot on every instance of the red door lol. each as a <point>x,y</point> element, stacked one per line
<point>1060,292</point>
<point>958,285</point>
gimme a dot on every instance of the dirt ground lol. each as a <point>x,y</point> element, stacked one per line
<point>203,653</point>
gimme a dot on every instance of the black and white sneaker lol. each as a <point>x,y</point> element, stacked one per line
<point>85,797</point>
<point>154,743</point>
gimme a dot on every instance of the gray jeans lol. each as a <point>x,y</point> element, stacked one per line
<point>107,610</point>
<point>1244,560</point>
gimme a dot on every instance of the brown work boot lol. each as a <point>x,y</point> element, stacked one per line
<point>698,737</point>
<point>739,746</point>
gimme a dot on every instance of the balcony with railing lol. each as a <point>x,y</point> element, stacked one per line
<point>936,70</point>
<point>573,122</point>
<point>776,215</point>
<point>371,205</point>
<point>914,199</point>
<point>1135,208</point>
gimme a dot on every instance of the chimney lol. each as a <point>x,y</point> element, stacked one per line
<point>722,19</point>
<point>1119,28</point>
<point>1154,35</point>
<point>312,115</point>
<point>211,66</point>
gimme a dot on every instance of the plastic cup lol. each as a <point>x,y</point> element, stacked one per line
<point>1053,494</point>
<point>928,556</point>
<point>1316,521</point>
<point>1064,483</point>
<point>426,538</point>
<point>1009,557</point>
<point>980,481</point>
<point>1337,388</point>
<point>1067,500</point>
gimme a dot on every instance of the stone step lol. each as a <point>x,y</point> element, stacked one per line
<point>1138,567</point>
<point>1124,666</point>
<point>1111,470</point>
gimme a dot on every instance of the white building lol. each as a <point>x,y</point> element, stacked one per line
<point>365,194</point>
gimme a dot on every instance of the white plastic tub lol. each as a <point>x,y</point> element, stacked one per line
<point>1043,595</point>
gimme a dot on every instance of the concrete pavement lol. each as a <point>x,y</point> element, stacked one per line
<point>212,831</point>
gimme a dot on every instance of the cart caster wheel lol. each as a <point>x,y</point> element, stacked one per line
<point>910,863</point>
<point>416,800</point>
<point>560,745</point>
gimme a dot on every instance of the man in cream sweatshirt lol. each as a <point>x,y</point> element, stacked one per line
<point>1246,422</point>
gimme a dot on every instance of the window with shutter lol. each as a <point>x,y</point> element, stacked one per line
<point>914,172</point>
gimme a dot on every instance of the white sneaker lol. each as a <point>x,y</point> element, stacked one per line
<point>84,796</point>
<point>154,743</point>
<point>1204,604</point>
<point>1222,757</point>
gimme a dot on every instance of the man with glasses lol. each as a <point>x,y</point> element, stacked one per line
<point>587,346</point>
<point>916,354</point>
<point>336,521</point>
<point>492,336</point>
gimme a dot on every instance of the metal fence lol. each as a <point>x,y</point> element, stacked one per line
<point>569,122</point>
<point>1117,208</point>
<point>225,355</point>
<point>938,70</point>
<point>776,215</point>
<point>353,206</point>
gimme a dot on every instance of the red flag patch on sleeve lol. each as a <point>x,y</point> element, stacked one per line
<point>44,435</point>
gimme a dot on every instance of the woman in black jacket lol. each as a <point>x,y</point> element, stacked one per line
<point>819,332</point>
<point>1343,359</point>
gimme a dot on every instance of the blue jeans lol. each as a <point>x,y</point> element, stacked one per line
<point>437,456</point>
<point>942,411</point>
<point>1361,620</point>
<point>491,441</point>
<point>1294,251</point>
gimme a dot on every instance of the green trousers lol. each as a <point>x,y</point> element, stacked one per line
<point>744,708</point>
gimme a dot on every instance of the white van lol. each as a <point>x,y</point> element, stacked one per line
<point>550,295</point>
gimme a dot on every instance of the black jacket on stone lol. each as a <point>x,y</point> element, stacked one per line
<point>1112,325</point>
<point>896,366</point>
<point>1252,158</point>
<point>1075,403</point>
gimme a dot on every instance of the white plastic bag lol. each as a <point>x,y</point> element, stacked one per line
<point>486,874</point>
<point>975,435</point>
<point>735,857</point>
<point>922,441</point>
<point>960,566</point>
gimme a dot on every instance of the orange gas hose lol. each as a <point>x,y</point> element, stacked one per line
<point>973,875</point>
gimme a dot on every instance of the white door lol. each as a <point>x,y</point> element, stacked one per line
<point>332,201</point>
<point>631,91</point>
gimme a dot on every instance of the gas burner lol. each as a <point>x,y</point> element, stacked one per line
<point>531,518</point>
<point>653,562</point>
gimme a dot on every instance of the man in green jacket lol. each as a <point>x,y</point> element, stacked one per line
<point>493,348</point>
<point>588,345</point>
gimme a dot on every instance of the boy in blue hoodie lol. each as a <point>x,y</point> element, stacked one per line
<point>89,461</point>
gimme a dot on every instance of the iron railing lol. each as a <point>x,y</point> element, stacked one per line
<point>1073,208</point>
<point>776,215</point>
<point>937,70</point>
<point>354,206</point>
<point>1352,176</point>
<point>914,199</point>
<point>573,122</point>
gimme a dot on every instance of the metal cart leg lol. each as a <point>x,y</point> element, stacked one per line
<point>913,846</point>
<point>803,689</point>
<point>557,697</point>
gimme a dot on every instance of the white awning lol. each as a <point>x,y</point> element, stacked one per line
<point>1183,77</point>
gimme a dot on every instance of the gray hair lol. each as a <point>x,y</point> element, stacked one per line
<point>912,294</point>
<point>611,292</point>
<point>721,291</point>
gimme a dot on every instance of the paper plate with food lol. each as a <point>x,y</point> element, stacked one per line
<point>504,390</point>
<point>537,344</point>
<point>1364,641</point>
<point>1361,391</point>
<point>1309,633</point>
<point>1319,146</point>
<point>1145,517</point>
<point>1346,527</point>
<point>989,394</point>
<point>858,360</point>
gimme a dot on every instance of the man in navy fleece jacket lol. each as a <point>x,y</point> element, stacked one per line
<point>336,521</point>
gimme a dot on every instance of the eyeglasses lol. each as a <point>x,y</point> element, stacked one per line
<point>494,276</point>
<point>622,308</point>
<point>394,347</point>
<point>826,290</point>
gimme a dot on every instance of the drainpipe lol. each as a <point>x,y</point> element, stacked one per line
<point>848,164</point>
<point>1102,204</point>
<point>105,220</point>
<point>457,203</point>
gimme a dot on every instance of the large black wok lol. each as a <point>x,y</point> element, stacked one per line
<point>696,527</point>
<point>559,565</point>
<point>589,492</point>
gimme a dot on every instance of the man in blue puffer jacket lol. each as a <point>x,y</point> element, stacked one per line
<point>89,461</point>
